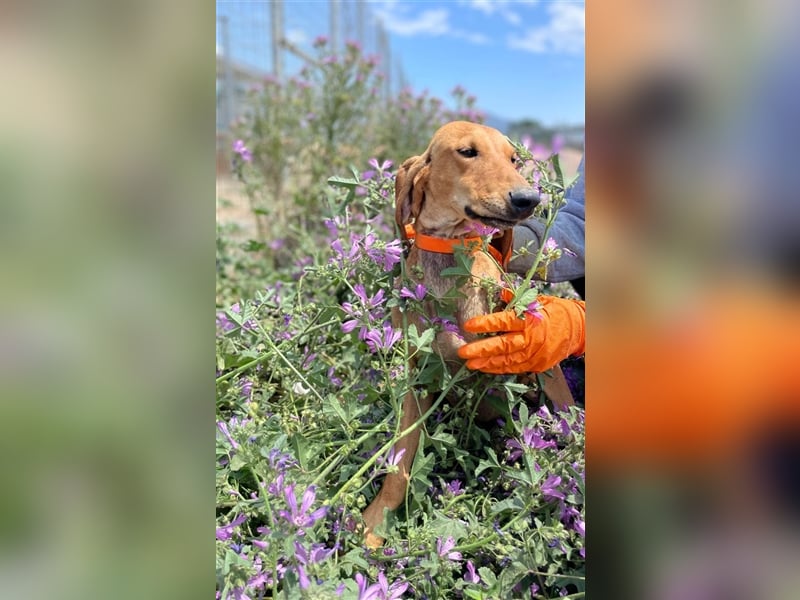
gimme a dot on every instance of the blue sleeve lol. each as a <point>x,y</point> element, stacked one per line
<point>568,230</point>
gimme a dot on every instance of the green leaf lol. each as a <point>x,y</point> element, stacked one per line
<point>356,557</point>
<point>334,405</point>
<point>343,182</point>
<point>487,576</point>
<point>557,168</point>
<point>512,504</point>
<point>484,464</point>
<point>442,442</point>
<point>237,462</point>
<point>301,449</point>
<point>253,246</point>
<point>525,298</point>
<point>523,413</point>
<point>421,342</point>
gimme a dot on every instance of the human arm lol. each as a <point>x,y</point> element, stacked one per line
<point>568,231</point>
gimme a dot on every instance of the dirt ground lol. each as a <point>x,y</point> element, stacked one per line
<point>233,206</point>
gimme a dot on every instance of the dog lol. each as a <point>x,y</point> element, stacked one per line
<point>466,180</point>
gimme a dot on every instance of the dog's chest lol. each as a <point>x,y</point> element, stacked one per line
<point>456,297</point>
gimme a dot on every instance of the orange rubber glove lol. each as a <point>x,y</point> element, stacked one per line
<point>532,344</point>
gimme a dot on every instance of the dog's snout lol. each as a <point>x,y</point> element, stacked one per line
<point>523,200</point>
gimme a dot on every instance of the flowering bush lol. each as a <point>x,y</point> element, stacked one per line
<point>295,133</point>
<point>310,377</point>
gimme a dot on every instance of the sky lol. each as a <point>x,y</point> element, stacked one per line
<point>520,58</point>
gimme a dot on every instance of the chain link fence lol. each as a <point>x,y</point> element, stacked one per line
<point>271,38</point>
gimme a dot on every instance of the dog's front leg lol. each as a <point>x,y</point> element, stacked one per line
<point>393,490</point>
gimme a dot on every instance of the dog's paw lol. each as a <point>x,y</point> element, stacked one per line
<point>373,541</point>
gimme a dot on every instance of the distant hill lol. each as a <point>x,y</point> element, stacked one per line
<point>497,122</point>
<point>573,134</point>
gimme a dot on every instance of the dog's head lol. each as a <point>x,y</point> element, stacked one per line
<point>467,178</point>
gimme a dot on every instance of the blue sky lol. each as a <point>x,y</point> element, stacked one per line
<point>521,58</point>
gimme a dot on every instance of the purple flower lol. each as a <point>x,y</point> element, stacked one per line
<point>417,294</point>
<point>333,378</point>
<point>299,516</point>
<point>226,531</point>
<point>568,513</point>
<point>245,387</point>
<point>446,324</point>
<point>240,149</point>
<point>320,41</point>
<point>384,339</point>
<point>580,527</point>
<point>454,487</point>
<point>471,576</point>
<point>534,309</point>
<point>279,461</point>
<point>391,459</point>
<point>381,590</point>
<point>333,225</point>
<point>250,324</point>
<point>223,427</point>
<point>238,593</point>
<point>349,325</point>
<point>531,438</point>
<point>550,489</point>
<point>444,549</point>
<point>392,253</point>
<point>305,557</point>
<point>387,164</point>
<point>223,323</point>
<point>364,592</point>
<point>550,245</point>
<point>481,229</point>
<point>386,257</point>
<point>369,302</point>
<point>342,257</point>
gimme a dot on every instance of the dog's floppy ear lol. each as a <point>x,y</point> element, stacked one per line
<point>409,189</point>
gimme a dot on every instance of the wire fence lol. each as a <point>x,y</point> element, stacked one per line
<point>260,38</point>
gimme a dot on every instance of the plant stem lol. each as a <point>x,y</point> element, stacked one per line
<point>391,442</point>
<point>266,356</point>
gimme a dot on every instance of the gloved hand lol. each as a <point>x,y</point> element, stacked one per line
<point>532,344</point>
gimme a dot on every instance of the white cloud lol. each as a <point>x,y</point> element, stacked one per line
<point>297,37</point>
<point>474,38</point>
<point>500,7</point>
<point>395,18</point>
<point>430,22</point>
<point>564,34</point>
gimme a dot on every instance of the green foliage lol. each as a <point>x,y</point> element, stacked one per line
<point>310,377</point>
<point>328,117</point>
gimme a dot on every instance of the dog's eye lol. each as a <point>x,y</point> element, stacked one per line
<point>468,152</point>
<point>515,160</point>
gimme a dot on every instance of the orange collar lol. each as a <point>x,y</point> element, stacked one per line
<point>447,245</point>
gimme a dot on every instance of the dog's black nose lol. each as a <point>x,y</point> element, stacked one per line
<point>523,200</point>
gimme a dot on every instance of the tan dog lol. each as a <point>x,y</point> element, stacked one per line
<point>466,177</point>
